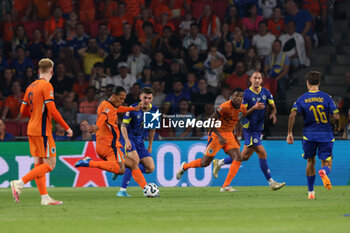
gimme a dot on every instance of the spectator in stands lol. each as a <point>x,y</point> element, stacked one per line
<point>149,39</point>
<point>6,83</point>
<point>201,98</point>
<point>164,22</point>
<point>133,95</point>
<point>175,73</point>
<point>60,134</point>
<point>113,59</point>
<point>106,9</point>
<point>276,23</point>
<point>91,55</point>
<point>103,39</point>
<point>80,40</point>
<point>263,41</point>
<point>160,69</point>
<point>179,7</point>
<point>29,77</point>
<point>86,10</point>
<point>4,64</point>
<point>49,54</point>
<point>294,46</point>
<point>42,9</point>
<point>191,86</point>
<point>108,93</point>
<point>69,111</point>
<point>303,23</point>
<point>19,38</point>
<point>134,7</point>
<point>57,42</point>
<point>159,7</point>
<point>232,18</point>
<point>80,85</point>
<point>99,79</point>
<point>146,77</point>
<point>239,78</point>
<point>158,96</point>
<point>245,6</point>
<point>185,25</point>
<point>240,43</point>
<point>344,104</point>
<point>123,79</point>
<point>5,136</point>
<point>128,39</point>
<point>115,23</point>
<point>318,9</point>
<point>169,43</point>
<point>36,47</point>
<point>231,59</point>
<point>224,36</point>
<point>208,111</point>
<point>224,96</point>
<point>57,21</point>
<point>61,83</point>
<point>90,104</point>
<point>267,7</point>
<point>209,23</point>
<point>66,57</point>
<point>346,133</point>
<point>195,61</point>
<point>251,23</point>
<point>20,9</point>
<point>213,67</point>
<point>85,133</point>
<point>183,115</point>
<point>277,68</point>
<point>195,38</point>
<point>20,63</point>
<point>145,17</point>
<point>171,104</point>
<point>66,6</point>
<point>70,26</point>
<point>137,60</point>
<point>251,61</point>
<point>13,103</point>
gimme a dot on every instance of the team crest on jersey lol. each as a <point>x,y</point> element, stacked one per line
<point>240,115</point>
<point>107,110</point>
<point>53,150</point>
<point>127,114</point>
<point>138,117</point>
<point>264,97</point>
<point>255,140</point>
<point>51,93</point>
<point>258,99</point>
<point>210,151</point>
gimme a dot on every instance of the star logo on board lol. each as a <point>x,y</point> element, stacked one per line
<point>151,120</point>
<point>85,176</point>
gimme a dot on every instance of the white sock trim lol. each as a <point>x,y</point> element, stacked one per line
<point>122,189</point>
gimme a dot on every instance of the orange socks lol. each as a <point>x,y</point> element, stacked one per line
<point>41,182</point>
<point>232,173</point>
<point>194,163</point>
<point>37,172</point>
<point>138,177</point>
<point>106,165</point>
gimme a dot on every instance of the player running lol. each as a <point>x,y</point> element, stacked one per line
<point>39,104</point>
<point>223,138</point>
<point>107,138</point>
<point>316,107</point>
<point>252,127</point>
<point>133,135</point>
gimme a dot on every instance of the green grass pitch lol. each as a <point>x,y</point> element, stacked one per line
<point>187,209</point>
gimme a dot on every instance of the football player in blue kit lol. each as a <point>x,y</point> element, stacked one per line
<point>252,129</point>
<point>316,108</point>
<point>133,138</point>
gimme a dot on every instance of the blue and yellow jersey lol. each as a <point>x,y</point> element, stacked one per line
<point>134,122</point>
<point>315,108</point>
<point>255,121</point>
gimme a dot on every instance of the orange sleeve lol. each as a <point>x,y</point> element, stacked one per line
<point>51,107</point>
<point>25,111</point>
<point>101,119</point>
<point>243,109</point>
<point>221,110</point>
<point>123,109</point>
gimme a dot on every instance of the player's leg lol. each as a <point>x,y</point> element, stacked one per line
<point>235,154</point>
<point>148,165</point>
<point>132,161</point>
<point>127,176</point>
<point>325,152</point>
<point>310,149</point>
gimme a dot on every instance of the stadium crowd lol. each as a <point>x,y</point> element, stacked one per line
<point>192,53</point>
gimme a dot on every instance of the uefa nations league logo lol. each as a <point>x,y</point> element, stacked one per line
<point>151,120</point>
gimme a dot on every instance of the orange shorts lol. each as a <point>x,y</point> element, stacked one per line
<point>214,145</point>
<point>42,146</point>
<point>108,153</point>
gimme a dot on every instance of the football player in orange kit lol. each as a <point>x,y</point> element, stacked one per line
<point>38,104</point>
<point>223,138</point>
<point>107,138</point>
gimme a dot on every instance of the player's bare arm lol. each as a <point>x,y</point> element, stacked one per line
<point>124,131</point>
<point>273,113</point>
<point>151,134</point>
<point>257,106</point>
<point>222,140</point>
<point>290,139</point>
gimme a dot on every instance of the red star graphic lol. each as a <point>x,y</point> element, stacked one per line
<point>85,176</point>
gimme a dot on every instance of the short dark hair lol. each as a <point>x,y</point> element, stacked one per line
<point>183,99</point>
<point>147,90</point>
<point>167,28</point>
<point>118,89</point>
<point>278,40</point>
<point>237,89</point>
<point>98,64</point>
<point>263,22</point>
<point>147,24</point>
<point>313,77</point>
<point>194,25</point>
<point>102,24</point>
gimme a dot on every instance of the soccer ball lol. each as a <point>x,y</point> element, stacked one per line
<point>151,190</point>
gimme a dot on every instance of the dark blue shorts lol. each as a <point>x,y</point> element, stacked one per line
<point>324,150</point>
<point>136,145</point>
<point>251,138</point>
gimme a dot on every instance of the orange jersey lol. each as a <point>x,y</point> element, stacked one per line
<point>14,104</point>
<point>229,116</point>
<point>39,101</point>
